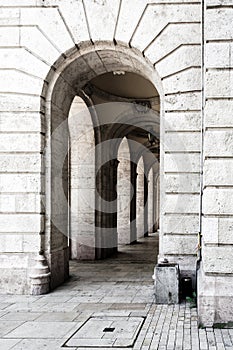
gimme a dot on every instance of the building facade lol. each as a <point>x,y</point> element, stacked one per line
<point>149,86</point>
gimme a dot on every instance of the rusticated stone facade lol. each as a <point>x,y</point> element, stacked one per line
<point>49,51</point>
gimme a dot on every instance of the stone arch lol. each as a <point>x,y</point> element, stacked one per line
<point>74,72</point>
<point>47,31</point>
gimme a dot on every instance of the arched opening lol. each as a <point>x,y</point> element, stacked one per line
<point>123,102</point>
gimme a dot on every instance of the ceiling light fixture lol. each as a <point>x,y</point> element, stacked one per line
<point>118,72</point>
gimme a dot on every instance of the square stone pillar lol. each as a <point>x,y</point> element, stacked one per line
<point>166,277</point>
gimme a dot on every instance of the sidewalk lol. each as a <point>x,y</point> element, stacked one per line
<point>106,304</point>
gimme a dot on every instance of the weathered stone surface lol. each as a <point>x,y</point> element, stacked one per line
<point>181,203</point>
<point>184,224</point>
<point>70,11</point>
<point>14,81</point>
<point>40,45</point>
<point>219,55</point>
<point>213,303</point>
<point>172,36</point>
<point>19,103</point>
<point>21,203</point>
<point>125,28</point>
<point>20,162</point>
<point>22,121</point>
<point>20,223</point>
<point>182,121</point>
<point>218,113</point>
<point>219,84</point>
<point>217,201</point>
<point>166,279</point>
<point>187,80</point>
<point>217,259</point>
<point>181,102</point>
<point>9,16</point>
<point>222,138</point>
<point>209,230</point>
<point>177,245</point>
<point>107,24</point>
<point>157,16</point>
<point>182,183</point>
<point>225,230</point>
<point>123,193</point>
<point>182,162</point>
<point>218,172</point>
<point>217,24</point>
<point>20,183</point>
<point>48,21</point>
<point>140,199</point>
<point>9,36</point>
<point>182,58</point>
<point>182,142</point>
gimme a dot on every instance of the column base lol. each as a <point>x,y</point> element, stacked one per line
<point>40,277</point>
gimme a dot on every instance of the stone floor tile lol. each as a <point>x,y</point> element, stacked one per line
<point>7,344</point>
<point>38,344</point>
<point>57,316</point>
<point>7,326</point>
<point>50,330</point>
<point>5,306</point>
<point>21,316</point>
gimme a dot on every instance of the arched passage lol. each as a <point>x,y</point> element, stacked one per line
<point>72,80</point>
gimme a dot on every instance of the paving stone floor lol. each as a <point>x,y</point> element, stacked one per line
<point>106,304</point>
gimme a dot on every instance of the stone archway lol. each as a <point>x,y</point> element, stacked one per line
<point>75,72</point>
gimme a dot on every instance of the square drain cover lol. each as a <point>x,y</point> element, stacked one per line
<point>108,332</point>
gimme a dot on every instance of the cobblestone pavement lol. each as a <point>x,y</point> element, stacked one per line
<point>106,304</point>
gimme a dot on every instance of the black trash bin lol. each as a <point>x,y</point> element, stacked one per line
<point>186,287</point>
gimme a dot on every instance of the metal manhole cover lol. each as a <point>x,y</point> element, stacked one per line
<point>108,332</point>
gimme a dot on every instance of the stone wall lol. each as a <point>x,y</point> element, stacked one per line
<point>215,277</point>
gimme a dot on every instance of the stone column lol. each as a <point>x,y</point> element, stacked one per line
<point>156,201</point>
<point>151,206</point>
<point>82,182</point>
<point>145,206</point>
<point>106,226</point>
<point>123,194</point>
<point>133,196</point>
<point>140,198</point>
